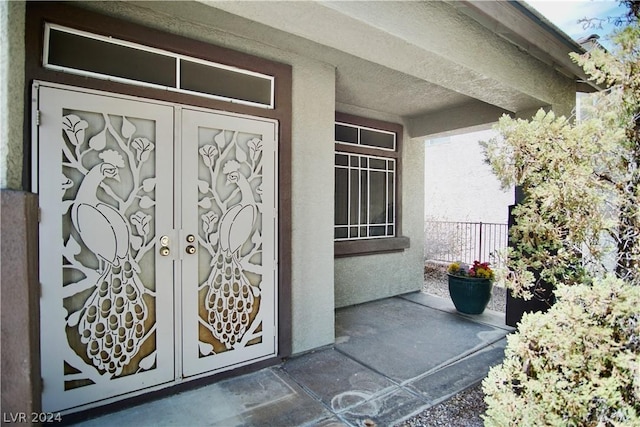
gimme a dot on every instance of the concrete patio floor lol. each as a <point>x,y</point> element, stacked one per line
<point>392,359</point>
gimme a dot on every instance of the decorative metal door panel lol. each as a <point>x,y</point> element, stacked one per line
<point>158,244</point>
<point>106,197</point>
<point>229,202</point>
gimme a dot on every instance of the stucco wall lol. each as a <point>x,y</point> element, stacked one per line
<point>365,278</point>
<point>312,198</point>
<point>459,185</point>
<point>12,18</point>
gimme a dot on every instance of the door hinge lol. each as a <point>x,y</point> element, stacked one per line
<point>37,117</point>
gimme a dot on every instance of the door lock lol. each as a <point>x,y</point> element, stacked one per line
<point>191,249</point>
<point>164,246</point>
<point>191,238</point>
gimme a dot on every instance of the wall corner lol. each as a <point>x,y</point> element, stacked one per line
<point>20,315</point>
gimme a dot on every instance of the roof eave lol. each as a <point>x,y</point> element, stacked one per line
<point>525,27</point>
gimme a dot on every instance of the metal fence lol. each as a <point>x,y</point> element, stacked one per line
<point>465,241</point>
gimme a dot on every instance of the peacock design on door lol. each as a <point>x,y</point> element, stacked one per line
<point>231,224</point>
<point>158,244</point>
<point>108,208</point>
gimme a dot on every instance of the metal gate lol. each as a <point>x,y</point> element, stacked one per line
<point>158,243</point>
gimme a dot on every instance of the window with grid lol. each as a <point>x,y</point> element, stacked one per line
<point>365,182</point>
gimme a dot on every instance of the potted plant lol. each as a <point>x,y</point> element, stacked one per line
<point>470,286</point>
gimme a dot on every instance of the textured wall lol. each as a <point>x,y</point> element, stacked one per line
<point>459,185</point>
<point>366,278</point>
<point>12,15</point>
<point>312,198</point>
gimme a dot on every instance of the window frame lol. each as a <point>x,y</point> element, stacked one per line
<point>382,244</point>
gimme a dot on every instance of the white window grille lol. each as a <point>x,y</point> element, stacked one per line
<point>365,184</point>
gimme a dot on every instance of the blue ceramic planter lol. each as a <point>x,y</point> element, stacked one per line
<point>470,295</point>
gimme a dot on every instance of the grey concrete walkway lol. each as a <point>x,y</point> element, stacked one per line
<point>392,359</point>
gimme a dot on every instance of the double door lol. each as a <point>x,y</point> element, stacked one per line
<point>158,246</point>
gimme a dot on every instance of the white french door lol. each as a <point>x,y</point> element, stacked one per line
<point>157,243</point>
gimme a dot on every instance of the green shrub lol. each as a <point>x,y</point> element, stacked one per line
<point>576,365</point>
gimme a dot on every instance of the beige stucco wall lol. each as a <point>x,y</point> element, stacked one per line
<point>312,199</point>
<point>12,18</point>
<point>365,278</point>
<point>459,184</point>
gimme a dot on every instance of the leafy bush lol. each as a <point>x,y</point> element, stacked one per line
<point>580,180</point>
<point>576,365</point>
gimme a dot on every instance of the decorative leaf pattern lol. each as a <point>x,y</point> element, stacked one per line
<point>143,148</point>
<point>128,129</point>
<point>142,222</point>
<point>205,348</point>
<point>219,140</point>
<point>148,185</point>
<point>205,203</point>
<point>208,153</point>
<point>74,127</point>
<point>99,141</point>
<point>241,156</point>
<point>209,220</point>
<point>255,148</point>
<point>203,186</point>
<point>146,202</point>
<point>148,362</point>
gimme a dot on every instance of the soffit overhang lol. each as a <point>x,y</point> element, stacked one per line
<point>413,60</point>
<point>525,27</point>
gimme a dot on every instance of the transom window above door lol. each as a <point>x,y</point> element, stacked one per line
<point>367,173</point>
<point>80,52</point>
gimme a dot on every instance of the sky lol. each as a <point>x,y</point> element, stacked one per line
<point>566,13</point>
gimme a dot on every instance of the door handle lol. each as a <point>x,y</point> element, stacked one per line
<point>190,249</point>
